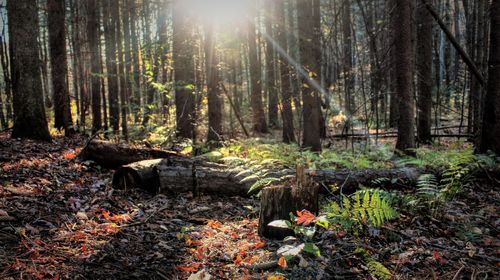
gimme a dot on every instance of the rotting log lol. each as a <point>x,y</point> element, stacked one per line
<point>112,155</point>
<point>278,202</point>
<point>176,175</point>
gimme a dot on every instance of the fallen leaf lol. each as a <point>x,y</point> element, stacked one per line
<point>304,218</point>
<point>190,268</point>
<point>282,262</point>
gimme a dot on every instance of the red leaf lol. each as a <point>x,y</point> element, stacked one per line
<point>305,218</point>
<point>190,268</point>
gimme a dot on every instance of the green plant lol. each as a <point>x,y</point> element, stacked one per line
<point>304,227</point>
<point>367,207</point>
<point>375,267</point>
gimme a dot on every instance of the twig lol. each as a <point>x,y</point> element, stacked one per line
<point>264,265</point>
<point>458,272</point>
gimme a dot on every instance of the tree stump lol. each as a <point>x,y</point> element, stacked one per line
<point>279,201</point>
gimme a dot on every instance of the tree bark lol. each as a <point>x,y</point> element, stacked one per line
<point>285,72</point>
<point>29,112</point>
<point>490,133</point>
<point>309,60</point>
<point>258,115</point>
<point>272,93</point>
<point>184,71</point>
<point>122,75</point>
<point>278,202</point>
<point>95,80</point>
<point>59,63</point>
<point>110,155</point>
<point>424,73</point>
<point>111,64</point>
<point>350,106</point>
<point>404,75</point>
<point>214,98</point>
<point>175,174</point>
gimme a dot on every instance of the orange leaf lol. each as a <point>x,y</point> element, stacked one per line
<point>238,260</point>
<point>260,244</point>
<point>69,155</point>
<point>214,224</point>
<point>282,262</point>
<point>190,268</point>
<point>305,218</point>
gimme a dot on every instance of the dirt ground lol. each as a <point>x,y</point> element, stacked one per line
<point>60,219</point>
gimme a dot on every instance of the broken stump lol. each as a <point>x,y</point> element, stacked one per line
<point>279,201</point>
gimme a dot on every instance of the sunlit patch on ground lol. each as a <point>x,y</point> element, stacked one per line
<point>225,249</point>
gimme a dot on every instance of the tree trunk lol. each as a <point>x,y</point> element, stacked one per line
<point>350,106</point>
<point>258,115</point>
<point>490,133</point>
<point>122,75</point>
<point>59,63</point>
<point>184,71</point>
<point>214,98</point>
<point>285,72</point>
<point>93,38</point>
<point>272,93</point>
<point>176,174</point>
<point>29,112</point>
<point>111,64</point>
<point>308,56</point>
<point>404,75</point>
<point>136,87</point>
<point>424,73</point>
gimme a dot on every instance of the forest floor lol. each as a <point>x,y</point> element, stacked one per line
<point>60,218</point>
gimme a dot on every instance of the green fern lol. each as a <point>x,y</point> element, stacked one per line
<point>262,183</point>
<point>378,270</point>
<point>366,207</point>
<point>375,267</point>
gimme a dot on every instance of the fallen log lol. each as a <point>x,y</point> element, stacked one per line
<point>112,155</point>
<point>176,175</point>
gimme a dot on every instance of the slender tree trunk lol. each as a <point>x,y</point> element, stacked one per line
<point>350,106</point>
<point>309,60</point>
<point>149,64</point>
<point>184,71</point>
<point>259,117</point>
<point>111,64</point>
<point>29,113</point>
<point>59,63</point>
<point>214,99</point>
<point>285,72</point>
<point>136,87</point>
<point>93,38</point>
<point>490,133</point>
<point>122,75</point>
<point>404,75</point>
<point>272,92</point>
<point>5,61</point>
<point>424,73</point>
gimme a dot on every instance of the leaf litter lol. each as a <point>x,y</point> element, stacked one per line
<point>60,219</point>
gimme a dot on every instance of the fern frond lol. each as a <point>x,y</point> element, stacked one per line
<point>378,270</point>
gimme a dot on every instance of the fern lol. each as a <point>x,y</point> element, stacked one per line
<point>261,183</point>
<point>378,270</point>
<point>375,267</point>
<point>366,207</point>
